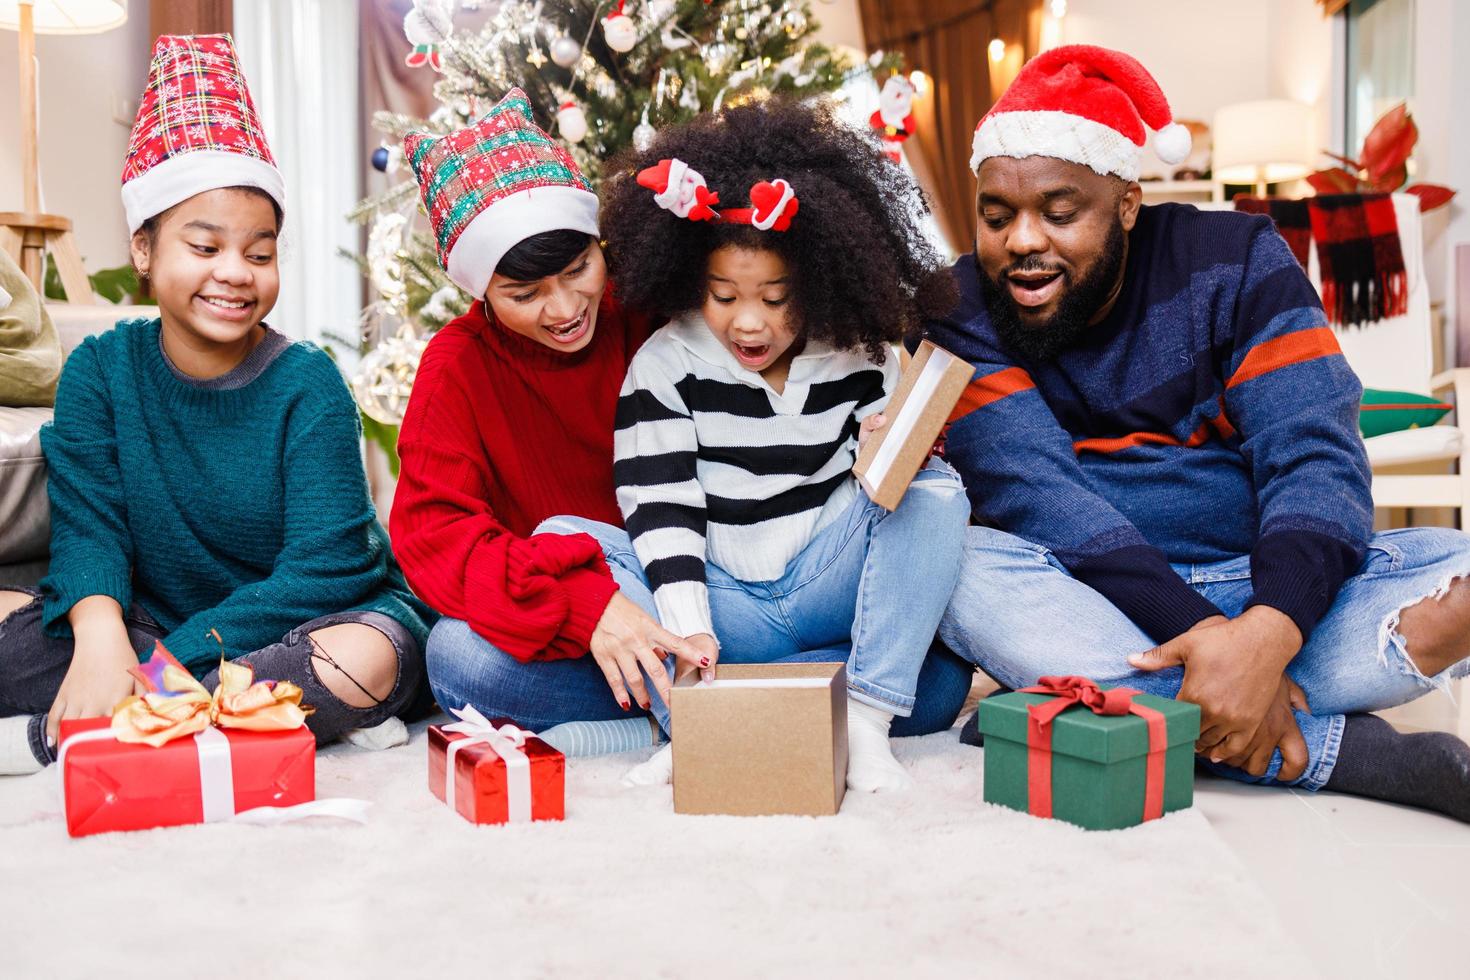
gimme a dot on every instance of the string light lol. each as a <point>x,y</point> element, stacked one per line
<point>997,50</point>
<point>920,80</point>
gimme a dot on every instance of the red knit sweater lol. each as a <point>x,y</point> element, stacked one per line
<point>501,433</point>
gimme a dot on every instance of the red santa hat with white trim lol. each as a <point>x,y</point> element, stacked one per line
<point>1086,105</point>
<point>196,130</point>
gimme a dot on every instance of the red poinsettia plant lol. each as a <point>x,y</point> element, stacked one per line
<point>1383,165</point>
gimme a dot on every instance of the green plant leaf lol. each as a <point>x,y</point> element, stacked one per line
<point>383,436</point>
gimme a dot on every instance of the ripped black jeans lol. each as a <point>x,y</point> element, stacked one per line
<point>33,665</point>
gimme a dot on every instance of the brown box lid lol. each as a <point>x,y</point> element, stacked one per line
<point>928,390</point>
<point>762,739</point>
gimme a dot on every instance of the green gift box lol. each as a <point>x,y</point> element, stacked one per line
<point>1103,758</point>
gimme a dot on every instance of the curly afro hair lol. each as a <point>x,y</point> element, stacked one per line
<point>862,272</point>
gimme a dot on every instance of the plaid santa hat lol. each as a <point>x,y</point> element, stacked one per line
<point>196,131</point>
<point>1084,104</point>
<point>492,185</point>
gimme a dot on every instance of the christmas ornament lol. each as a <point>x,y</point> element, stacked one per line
<point>387,159</point>
<point>619,31</point>
<point>426,26</point>
<point>565,52</point>
<point>659,11</point>
<point>536,59</point>
<point>718,53</point>
<point>794,21</point>
<point>894,119</point>
<point>385,376</point>
<point>643,133</point>
<point>571,123</point>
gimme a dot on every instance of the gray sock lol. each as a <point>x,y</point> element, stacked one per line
<point>970,730</point>
<point>1423,769</point>
<point>580,738</point>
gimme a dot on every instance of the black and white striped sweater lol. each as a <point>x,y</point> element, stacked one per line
<point>710,462</point>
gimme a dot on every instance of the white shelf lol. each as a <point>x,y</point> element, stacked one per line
<point>1179,190</point>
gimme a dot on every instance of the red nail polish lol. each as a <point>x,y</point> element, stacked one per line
<point>624,704</point>
<point>704,661</point>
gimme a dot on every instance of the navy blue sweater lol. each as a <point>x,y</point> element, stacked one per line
<point>1210,415</point>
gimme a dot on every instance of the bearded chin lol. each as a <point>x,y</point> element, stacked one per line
<point>1078,305</point>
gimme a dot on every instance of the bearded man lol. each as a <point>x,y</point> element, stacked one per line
<point>1161,446</point>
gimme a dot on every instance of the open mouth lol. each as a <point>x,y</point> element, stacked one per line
<point>227,308</point>
<point>751,354</point>
<point>569,331</point>
<point>1034,288</point>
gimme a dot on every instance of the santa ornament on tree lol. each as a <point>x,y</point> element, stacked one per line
<point>619,31</point>
<point>427,26</point>
<point>894,119</point>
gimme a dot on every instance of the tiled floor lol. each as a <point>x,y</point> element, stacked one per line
<point>1372,890</point>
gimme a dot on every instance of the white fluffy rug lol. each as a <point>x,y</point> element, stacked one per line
<point>933,883</point>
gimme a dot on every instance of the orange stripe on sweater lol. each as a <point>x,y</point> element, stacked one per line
<point>1294,348</point>
<point>1128,442</point>
<point>990,389</point>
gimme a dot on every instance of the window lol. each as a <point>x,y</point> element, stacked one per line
<point>1380,62</point>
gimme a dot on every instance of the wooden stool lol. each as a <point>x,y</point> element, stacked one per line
<point>26,236</point>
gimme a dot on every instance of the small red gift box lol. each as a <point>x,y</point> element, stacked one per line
<point>111,785</point>
<point>500,773</point>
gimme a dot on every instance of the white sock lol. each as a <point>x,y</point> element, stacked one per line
<point>657,771</point>
<point>870,763</point>
<point>16,757</point>
<point>386,735</point>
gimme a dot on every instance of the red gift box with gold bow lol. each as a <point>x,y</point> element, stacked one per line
<point>490,771</point>
<point>181,755</point>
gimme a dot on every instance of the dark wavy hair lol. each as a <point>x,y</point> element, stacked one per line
<point>862,272</point>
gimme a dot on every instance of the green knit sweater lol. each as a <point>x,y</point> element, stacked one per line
<point>243,511</point>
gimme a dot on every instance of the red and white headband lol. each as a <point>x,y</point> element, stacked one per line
<point>680,189</point>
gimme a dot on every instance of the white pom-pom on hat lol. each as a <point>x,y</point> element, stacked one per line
<point>1172,143</point>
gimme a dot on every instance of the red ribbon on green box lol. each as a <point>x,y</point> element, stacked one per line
<point>1114,701</point>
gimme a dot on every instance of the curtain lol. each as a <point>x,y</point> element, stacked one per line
<point>301,62</point>
<point>189,17</point>
<point>948,40</point>
<point>387,83</point>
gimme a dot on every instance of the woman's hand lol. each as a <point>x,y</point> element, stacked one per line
<point>98,677</point>
<point>870,425</point>
<point>629,642</point>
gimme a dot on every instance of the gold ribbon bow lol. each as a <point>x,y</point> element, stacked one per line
<point>175,704</point>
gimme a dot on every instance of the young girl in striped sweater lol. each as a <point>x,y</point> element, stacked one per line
<point>785,249</point>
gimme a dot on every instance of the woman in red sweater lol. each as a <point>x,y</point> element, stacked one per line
<point>510,424</point>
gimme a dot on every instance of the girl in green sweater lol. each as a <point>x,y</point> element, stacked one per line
<point>204,471</point>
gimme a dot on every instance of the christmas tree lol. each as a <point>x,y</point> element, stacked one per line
<point>601,76</point>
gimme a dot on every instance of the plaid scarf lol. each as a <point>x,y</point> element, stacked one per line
<point>1358,251</point>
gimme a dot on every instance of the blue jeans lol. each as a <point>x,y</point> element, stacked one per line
<point>869,589</point>
<point>1019,615</point>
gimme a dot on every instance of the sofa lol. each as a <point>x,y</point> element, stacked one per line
<point>25,522</point>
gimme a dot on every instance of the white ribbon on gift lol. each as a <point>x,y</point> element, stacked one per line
<point>507,742</point>
<point>217,786</point>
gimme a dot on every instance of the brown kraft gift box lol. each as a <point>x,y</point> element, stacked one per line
<point>927,392</point>
<point>761,739</point>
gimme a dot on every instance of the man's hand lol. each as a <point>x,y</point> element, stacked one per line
<point>1278,730</point>
<point>1233,670</point>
